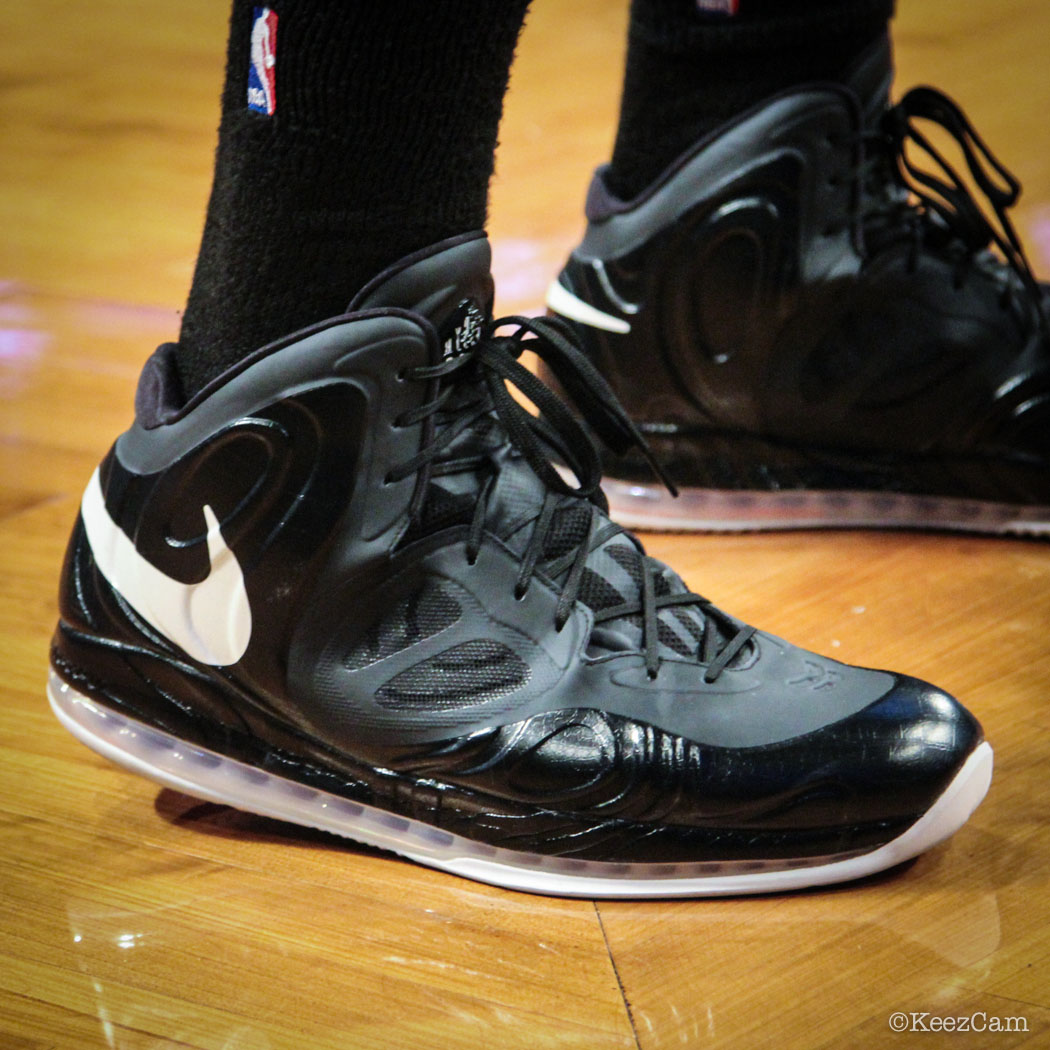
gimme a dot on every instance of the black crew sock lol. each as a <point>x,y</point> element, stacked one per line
<point>688,71</point>
<point>381,142</point>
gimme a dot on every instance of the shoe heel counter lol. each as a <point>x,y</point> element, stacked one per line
<point>101,648</point>
<point>87,601</point>
<point>85,647</point>
<point>78,583</point>
<point>575,298</point>
<point>71,607</point>
<point>93,627</point>
<point>609,328</point>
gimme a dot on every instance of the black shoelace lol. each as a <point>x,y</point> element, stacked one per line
<point>941,198</point>
<point>466,389</point>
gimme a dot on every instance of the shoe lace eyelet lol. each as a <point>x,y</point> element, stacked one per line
<point>520,593</point>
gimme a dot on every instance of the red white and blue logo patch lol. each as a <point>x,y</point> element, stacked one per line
<point>725,8</point>
<point>262,78</point>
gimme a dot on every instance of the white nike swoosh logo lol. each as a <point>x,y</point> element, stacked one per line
<point>563,302</point>
<point>210,620</point>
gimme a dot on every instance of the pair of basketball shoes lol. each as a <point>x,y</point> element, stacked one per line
<point>355,585</point>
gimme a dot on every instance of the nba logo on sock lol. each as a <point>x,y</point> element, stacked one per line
<point>718,7</point>
<point>262,95</point>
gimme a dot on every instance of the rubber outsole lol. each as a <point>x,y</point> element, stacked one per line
<point>653,508</point>
<point>208,775</point>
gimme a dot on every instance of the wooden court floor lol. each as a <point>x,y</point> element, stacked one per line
<point>135,918</point>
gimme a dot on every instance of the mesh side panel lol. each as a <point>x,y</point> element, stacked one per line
<point>485,428</point>
<point>673,639</point>
<point>568,530</point>
<point>679,630</point>
<point>597,592</point>
<point>689,619</point>
<point>441,510</point>
<point>466,674</point>
<point>628,560</point>
<point>410,621</point>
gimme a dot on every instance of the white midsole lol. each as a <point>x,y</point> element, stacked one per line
<point>206,774</point>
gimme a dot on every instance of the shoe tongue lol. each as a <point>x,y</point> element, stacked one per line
<point>870,80</point>
<point>449,283</point>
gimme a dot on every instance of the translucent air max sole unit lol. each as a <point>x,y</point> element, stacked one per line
<point>650,507</point>
<point>206,774</point>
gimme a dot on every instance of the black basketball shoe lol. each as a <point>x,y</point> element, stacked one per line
<point>343,586</point>
<point>810,330</point>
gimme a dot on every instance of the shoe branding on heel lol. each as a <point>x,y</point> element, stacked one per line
<point>463,329</point>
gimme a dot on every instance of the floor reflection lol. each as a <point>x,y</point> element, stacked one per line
<point>106,942</point>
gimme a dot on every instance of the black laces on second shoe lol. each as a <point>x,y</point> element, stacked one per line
<point>946,196</point>
<point>464,391</point>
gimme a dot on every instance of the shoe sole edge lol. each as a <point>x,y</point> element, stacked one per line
<point>651,508</point>
<point>197,771</point>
